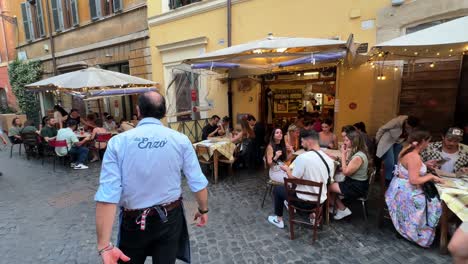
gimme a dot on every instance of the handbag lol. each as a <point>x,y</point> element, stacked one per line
<point>430,192</point>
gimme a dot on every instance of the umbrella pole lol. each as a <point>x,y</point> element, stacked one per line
<point>99,107</point>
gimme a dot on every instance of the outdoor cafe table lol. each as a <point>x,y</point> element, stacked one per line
<point>82,135</point>
<point>217,147</point>
<point>454,198</point>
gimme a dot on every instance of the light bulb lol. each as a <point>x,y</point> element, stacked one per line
<point>373,66</point>
<point>395,69</point>
<point>432,65</point>
<point>451,50</point>
<point>384,77</point>
<point>380,54</point>
<point>438,53</point>
<point>416,53</point>
<point>379,77</point>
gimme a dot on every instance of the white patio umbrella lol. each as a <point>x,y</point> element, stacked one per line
<point>266,55</point>
<point>441,41</point>
<point>89,79</point>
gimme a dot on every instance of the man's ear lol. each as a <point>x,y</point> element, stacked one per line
<point>138,111</point>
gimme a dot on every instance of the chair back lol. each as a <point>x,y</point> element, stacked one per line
<point>103,137</point>
<point>58,143</point>
<point>290,186</point>
<point>371,173</point>
<point>31,139</point>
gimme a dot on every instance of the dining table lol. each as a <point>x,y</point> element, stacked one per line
<point>82,134</point>
<point>454,200</point>
<point>217,147</point>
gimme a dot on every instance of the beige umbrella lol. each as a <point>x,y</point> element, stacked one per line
<point>89,79</point>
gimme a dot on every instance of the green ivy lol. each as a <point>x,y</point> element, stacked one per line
<point>22,73</point>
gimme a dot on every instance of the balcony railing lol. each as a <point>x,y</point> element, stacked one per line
<point>173,4</point>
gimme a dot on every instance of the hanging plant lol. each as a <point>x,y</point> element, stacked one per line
<point>22,73</point>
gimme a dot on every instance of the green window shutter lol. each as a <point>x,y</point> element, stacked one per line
<point>74,13</point>
<point>26,24</point>
<point>95,9</point>
<point>57,15</point>
<point>118,5</point>
<point>40,18</point>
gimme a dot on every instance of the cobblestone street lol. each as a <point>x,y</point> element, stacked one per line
<point>48,217</point>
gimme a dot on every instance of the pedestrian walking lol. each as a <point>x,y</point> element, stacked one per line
<point>141,174</point>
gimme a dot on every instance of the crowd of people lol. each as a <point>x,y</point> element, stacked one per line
<point>65,126</point>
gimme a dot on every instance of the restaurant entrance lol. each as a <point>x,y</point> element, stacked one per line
<point>290,95</point>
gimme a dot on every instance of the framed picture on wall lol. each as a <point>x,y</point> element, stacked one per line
<point>281,107</point>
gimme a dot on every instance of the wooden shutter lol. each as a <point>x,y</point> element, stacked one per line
<point>95,9</point>
<point>118,5</point>
<point>57,15</point>
<point>26,21</point>
<point>74,13</point>
<point>40,18</point>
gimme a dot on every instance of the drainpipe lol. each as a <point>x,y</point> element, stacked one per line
<point>51,39</point>
<point>229,43</point>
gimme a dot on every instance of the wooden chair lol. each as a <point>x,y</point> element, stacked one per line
<point>31,143</point>
<point>230,163</point>
<point>306,206</point>
<point>201,152</point>
<point>57,144</point>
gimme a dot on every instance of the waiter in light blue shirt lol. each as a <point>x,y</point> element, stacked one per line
<point>141,173</point>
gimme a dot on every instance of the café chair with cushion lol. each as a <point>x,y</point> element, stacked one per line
<point>13,143</point>
<point>59,143</point>
<point>101,138</point>
<point>202,151</point>
<point>31,143</point>
<point>297,205</point>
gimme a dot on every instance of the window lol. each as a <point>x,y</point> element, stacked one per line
<point>419,27</point>
<point>173,4</point>
<point>33,20</point>
<point>65,14</point>
<point>103,8</point>
<point>183,83</point>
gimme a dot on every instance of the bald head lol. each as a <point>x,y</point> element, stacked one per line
<point>152,104</point>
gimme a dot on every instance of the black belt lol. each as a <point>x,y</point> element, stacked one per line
<point>161,210</point>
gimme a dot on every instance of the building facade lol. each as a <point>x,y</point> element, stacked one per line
<point>185,29</point>
<point>68,35</point>
<point>7,53</point>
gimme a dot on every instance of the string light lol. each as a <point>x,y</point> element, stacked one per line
<point>395,69</point>
<point>451,50</point>
<point>432,65</point>
<point>416,53</point>
<point>438,53</point>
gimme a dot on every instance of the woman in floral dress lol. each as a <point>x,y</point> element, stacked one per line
<point>405,197</point>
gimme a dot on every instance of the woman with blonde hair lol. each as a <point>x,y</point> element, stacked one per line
<point>414,216</point>
<point>292,137</point>
<point>354,165</point>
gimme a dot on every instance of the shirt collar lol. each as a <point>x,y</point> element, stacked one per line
<point>149,120</point>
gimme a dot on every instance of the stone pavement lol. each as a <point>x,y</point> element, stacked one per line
<point>48,217</point>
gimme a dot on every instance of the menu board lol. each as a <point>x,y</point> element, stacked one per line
<point>287,100</point>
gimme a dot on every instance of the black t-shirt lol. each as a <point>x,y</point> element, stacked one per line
<point>208,129</point>
<point>70,118</point>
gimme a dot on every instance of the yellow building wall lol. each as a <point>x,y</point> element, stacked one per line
<point>254,19</point>
<point>83,13</point>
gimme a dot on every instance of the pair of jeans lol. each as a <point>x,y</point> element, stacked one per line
<point>390,159</point>
<point>160,240</point>
<point>279,196</point>
<point>79,154</point>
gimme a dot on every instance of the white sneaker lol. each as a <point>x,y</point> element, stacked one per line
<point>274,220</point>
<point>72,165</point>
<point>312,220</point>
<point>340,214</point>
<point>80,167</point>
